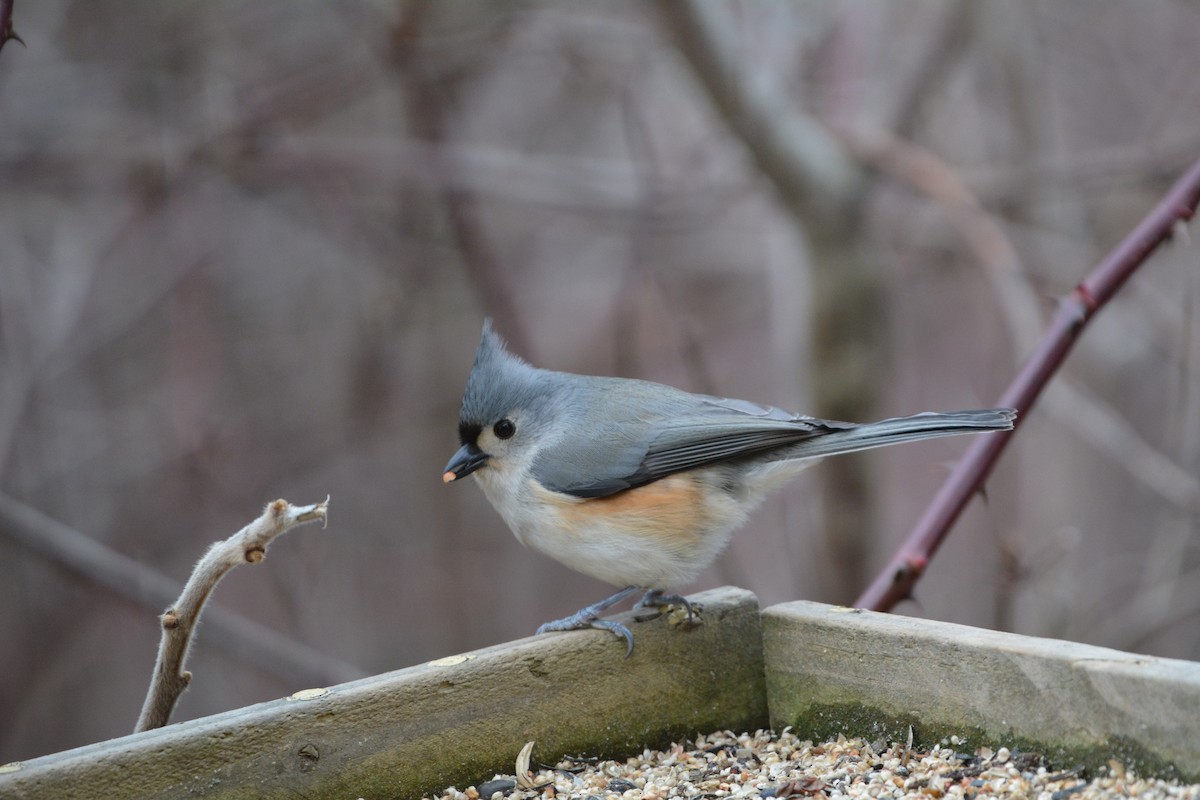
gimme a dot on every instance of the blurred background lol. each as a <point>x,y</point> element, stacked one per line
<point>246,250</point>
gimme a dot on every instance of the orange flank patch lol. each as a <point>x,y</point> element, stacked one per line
<point>671,509</point>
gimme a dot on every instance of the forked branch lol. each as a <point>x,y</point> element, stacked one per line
<point>6,24</point>
<point>247,546</point>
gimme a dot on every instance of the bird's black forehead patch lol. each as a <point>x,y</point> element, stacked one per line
<point>468,432</point>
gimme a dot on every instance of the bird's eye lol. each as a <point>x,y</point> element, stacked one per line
<point>504,429</point>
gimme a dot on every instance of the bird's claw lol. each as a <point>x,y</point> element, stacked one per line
<point>581,621</point>
<point>620,630</point>
<point>677,608</point>
<point>589,617</point>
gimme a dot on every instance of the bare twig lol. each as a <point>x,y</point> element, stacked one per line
<point>896,581</point>
<point>6,24</point>
<point>247,546</point>
<point>91,560</point>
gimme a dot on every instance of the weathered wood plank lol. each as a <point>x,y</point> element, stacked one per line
<point>453,721</point>
<point>832,669</point>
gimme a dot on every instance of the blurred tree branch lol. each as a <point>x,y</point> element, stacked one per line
<point>822,188</point>
<point>945,46</point>
<point>430,118</point>
<point>805,162</point>
<point>247,546</point>
<point>84,556</point>
<point>896,581</point>
<point>6,24</point>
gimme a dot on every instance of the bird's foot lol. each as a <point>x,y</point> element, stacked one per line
<point>677,608</point>
<point>589,617</point>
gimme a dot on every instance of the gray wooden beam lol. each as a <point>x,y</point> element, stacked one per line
<point>837,670</point>
<point>453,721</point>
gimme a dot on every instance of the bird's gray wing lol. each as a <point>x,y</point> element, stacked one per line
<point>688,432</point>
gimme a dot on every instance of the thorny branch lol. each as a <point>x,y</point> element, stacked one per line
<point>895,582</point>
<point>1087,414</point>
<point>247,546</point>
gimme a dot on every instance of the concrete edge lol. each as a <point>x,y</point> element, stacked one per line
<point>833,669</point>
<point>453,721</point>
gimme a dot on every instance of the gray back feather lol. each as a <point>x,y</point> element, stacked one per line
<point>600,435</point>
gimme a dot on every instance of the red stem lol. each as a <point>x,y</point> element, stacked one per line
<point>896,581</point>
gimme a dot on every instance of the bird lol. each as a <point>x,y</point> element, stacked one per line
<point>639,484</point>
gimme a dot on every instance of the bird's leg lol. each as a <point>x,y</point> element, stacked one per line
<point>655,599</point>
<point>589,617</point>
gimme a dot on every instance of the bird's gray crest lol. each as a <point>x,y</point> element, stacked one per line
<point>498,379</point>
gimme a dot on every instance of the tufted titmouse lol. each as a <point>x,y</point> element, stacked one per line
<point>636,483</point>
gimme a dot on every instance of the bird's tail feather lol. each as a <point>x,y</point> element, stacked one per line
<point>927,425</point>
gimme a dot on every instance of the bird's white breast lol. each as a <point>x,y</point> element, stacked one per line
<point>660,535</point>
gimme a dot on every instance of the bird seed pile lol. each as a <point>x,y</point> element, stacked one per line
<point>724,765</point>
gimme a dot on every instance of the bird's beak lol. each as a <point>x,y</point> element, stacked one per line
<point>468,459</point>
